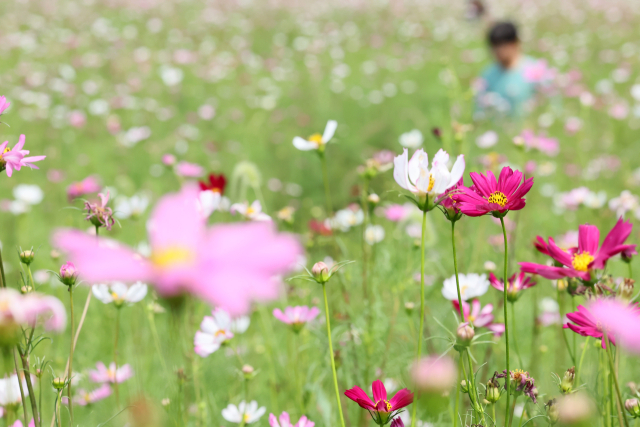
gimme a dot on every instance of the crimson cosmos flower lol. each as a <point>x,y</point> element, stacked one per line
<point>382,410</point>
<point>518,282</point>
<point>491,195</point>
<point>589,325</point>
<point>216,183</point>
<point>589,255</point>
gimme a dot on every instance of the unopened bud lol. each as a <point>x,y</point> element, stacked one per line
<point>633,407</point>
<point>518,141</point>
<point>374,199</point>
<point>68,274</point>
<point>437,132</point>
<point>490,266</point>
<point>625,292</point>
<point>248,372</point>
<point>552,411</point>
<point>26,289</point>
<point>58,383</point>
<point>492,391</point>
<point>566,385</point>
<point>463,386</point>
<point>320,272</point>
<point>26,257</point>
<point>465,334</point>
<point>409,306</point>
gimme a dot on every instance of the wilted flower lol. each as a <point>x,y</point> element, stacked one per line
<point>216,329</point>
<point>381,408</point>
<point>14,159</point>
<point>517,283</point>
<point>243,413</point>
<point>316,141</point>
<point>111,375</point>
<point>521,383</point>
<point>251,212</point>
<point>566,383</point>
<point>119,293</point>
<point>552,411</point>
<point>284,421</point>
<point>492,390</point>
<point>296,316</point>
<point>471,285</point>
<point>435,374</point>
<point>98,213</point>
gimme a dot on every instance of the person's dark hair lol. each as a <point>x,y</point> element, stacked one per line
<point>503,33</point>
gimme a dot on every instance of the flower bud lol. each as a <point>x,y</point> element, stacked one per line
<point>633,407</point>
<point>465,334</point>
<point>625,291</point>
<point>490,266</point>
<point>492,391</point>
<point>320,272</point>
<point>464,387</point>
<point>409,306</point>
<point>248,372</point>
<point>26,289</point>
<point>566,385</point>
<point>58,383</point>
<point>68,274</point>
<point>437,132</point>
<point>552,411</point>
<point>374,199</point>
<point>26,257</point>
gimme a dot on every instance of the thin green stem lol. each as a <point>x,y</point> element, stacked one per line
<point>420,331</point>
<point>456,407</point>
<point>513,409</point>
<point>24,402</point>
<point>493,414</point>
<point>333,362</point>
<point>564,335</point>
<point>455,268</point>
<point>615,380</point>
<point>24,357</point>
<point>515,334</point>
<point>327,190</point>
<point>584,351</point>
<point>4,280</point>
<point>473,389</point>
<point>115,357</point>
<point>71,348</point>
<point>506,321</point>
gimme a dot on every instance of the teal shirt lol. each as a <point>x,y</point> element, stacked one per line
<point>505,91</point>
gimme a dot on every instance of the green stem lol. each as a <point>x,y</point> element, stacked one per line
<point>333,362</point>
<point>506,322</point>
<point>564,335</point>
<point>515,334</point>
<point>457,401</point>
<point>69,372</point>
<point>615,380</point>
<point>584,351</point>
<point>27,377</point>
<point>115,357</point>
<point>455,268</point>
<point>513,409</point>
<point>493,414</point>
<point>325,178</point>
<point>4,280</point>
<point>24,402</point>
<point>420,331</point>
<point>473,390</point>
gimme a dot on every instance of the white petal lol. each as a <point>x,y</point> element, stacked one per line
<point>303,144</point>
<point>209,325</point>
<point>441,157</point>
<point>419,161</point>
<point>329,131</point>
<point>102,293</point>
<point>136,292</point>
<point>401,170</point>
<point>457,170</point>
<point>441,179</point>
<point>119,288</point>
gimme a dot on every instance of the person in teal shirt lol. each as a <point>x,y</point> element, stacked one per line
<point>504,87</point>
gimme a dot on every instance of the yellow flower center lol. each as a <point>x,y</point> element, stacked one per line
<point>518,373</point>
<point>498,198</point>
<point>581,261</point>
<point>431,182</point>
<point>250,211</point>
<point>172,256</point>
<point>388,405</point>
<point>116,297</point>
<point>471,318</point>
<point>316,137</point>
<point>219,332</point>
<point>245,418</point>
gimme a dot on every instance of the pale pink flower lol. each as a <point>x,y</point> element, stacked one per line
<point>189,170</point>
<point>87,186</point>
<point>435,374</point>
<point>169,159</point>
<point>18,423</point>
<point>619,320</point>
<point>217,329</point>
<point>14,158</point>
<point>111,375</point>
<point>538,72</point>
<point>77,119</point>
<point>3,104</point>
<point>284,421</point>
<point>84,398</point>
<point>395,212</point>
<point>188,257</point>
<point>296,316</point>
<point>23,310</point>
<point>99,214</point>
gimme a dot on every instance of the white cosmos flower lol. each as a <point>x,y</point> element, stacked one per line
<point>344,219</point>
<point>251,212</point>
<point>471,285</point>
<point>216,329</point>
<point>411,139</point>
<point>10,390</point>
<point>133,206</point>
<point>119,293</point>
<point>316,141</point>
<point>243,413</point>
<point>374,234</point>
<point>211,201</point>
<point>416,176</point>
<point>28,194</point>
<point>623,204</point>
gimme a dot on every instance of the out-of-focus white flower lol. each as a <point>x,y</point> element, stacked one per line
<point>171,76</point>
<point>119,293</point>
<point>344,219</point>
<point>471,285</point>
<point>411,139</point>
<point>10,390</point>
<point>374,234</point>
<point>133,206</point>
<point>487,139</point>
<point>243,413</point>
<point>316,141</point>
<point>624,203</point>
<point>252,212</point>
<point>211,201</point>
<point>29,194</point>
<point>216,329</point>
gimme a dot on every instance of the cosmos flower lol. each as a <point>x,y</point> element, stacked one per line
<point>284,421</point>
<point>189,170</point>
<point>620,320</point>
<point>216,329</point>
<point>119,293</point>
<point>110,375</point>
<point>373,234</point>
<point>14,158</point>
<point>251,212</point>
<point>471,285</point>
<point>18,423</point>
<point>435,374</point>
<point>215,183</point>
<point>395,212</point>
<point>131,207</point>
<point>84,398</point>
<point>416,176</point>
<point>87,186</point>
<point>518,282</point>
<point>496,196</point>
<point>381,408</point>
<point>316,141</point>
<point>10,390</point>
<point>243,413</point>
<point>99,214</point>
<point>478,316</point>
<point>18,310</point>
<point>521,383</point>
<point>188,257</point>
<point>411,139</point>
<point>589,255</point>
<point>3,104</point>
<point>296,316</point>
<point>624,203</point>
<point>346,218</point>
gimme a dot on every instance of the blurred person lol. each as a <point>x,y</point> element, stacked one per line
<point>504,85</point>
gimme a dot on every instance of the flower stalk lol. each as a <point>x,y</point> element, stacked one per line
<point>506,318</point>
<point>331,356</point>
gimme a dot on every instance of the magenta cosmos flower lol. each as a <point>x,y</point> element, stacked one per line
<point>479,317</point>
<point>296,316</point>
<point>381,408</point>
<point>518,282</point>
<point>227,265</point>
<point>491,195</point>
<point>285,421</point>
<point>619,319</point>
<point>588,324</point>
<point>14,158</point>
<point>111,375</point>
<point>589,255</point>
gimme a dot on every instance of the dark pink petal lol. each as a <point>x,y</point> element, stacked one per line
<point>379,392</point>
<point>613,243</point>
<point>558,254</point>
<point>523,189</point>
<point>360,397</point>
<point>402,398</point>
<point>481,183</point>
<point>588,239</point>
<point>495,282</point>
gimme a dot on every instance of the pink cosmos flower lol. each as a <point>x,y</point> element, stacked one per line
<point>169,159</point>
<point>380,408</point>
<point>98,213</point>
<point>24,310</point>
<point>111,375</point>
<point>284,421</point>
<point>216,330</point>
<point>397,422</point>
<point>87,186</point>
<point>435,374</point>
<point>589,255</point>
<point>538,72</point>
<point>548,146</point>
<point>189,170</point>
<point>620,320</point>
<point>479,317</point>
<point>395,212</point>
<point>18,423</point>
<point>296,316</point>
<point>518,282</point>
<point>3,104</point>
<point>491,195</point>
<point>84,398</point>
<point>77,119</point>
<point>11,159</point>
<point>188,257</point>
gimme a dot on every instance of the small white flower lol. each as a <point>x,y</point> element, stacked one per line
<point>10,390</point>
<point>119,293</point>
<point>471,285</point>
<point>133,206</point>
<point>243,413</point>
<point>316,141</point>
<point>171,76</point>
<point>374,234</point>
<point>487,139</point>
<point>216,329</point>
<point>412,139</point>
<point>625,203</point>
<point>344,219</point>
<point>416,176</point>
<point>28,194</point>
<point>251,212</point>
<point>211,201</point>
